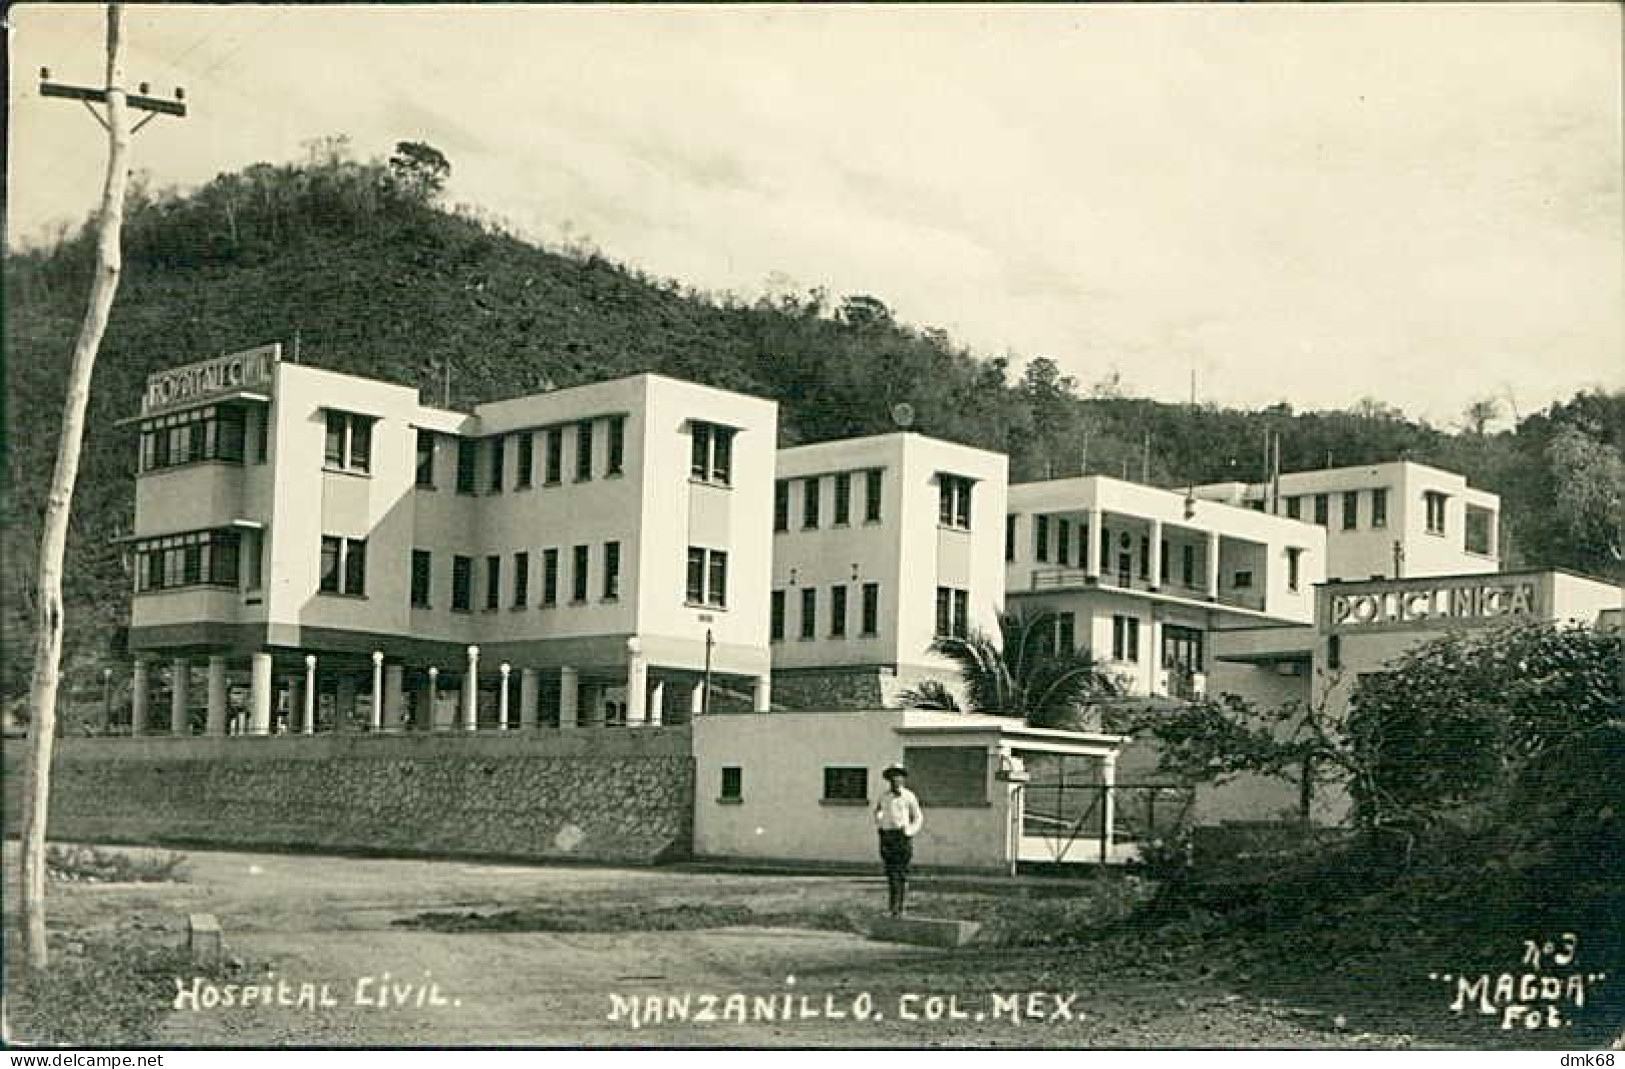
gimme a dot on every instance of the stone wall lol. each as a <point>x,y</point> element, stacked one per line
<point>606,794</point>
<point>825,689</point>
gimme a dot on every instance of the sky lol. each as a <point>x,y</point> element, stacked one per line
<point>1423,204</point>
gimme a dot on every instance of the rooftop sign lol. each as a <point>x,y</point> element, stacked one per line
<point>204,379</point>
<point>1436,602</point>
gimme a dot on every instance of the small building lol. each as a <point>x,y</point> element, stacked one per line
<point>348,557</point>
<point>1392,520</point>
<point>1364,627</point>
<point>1145,577</point>
<point>801,787</point>
<point>880,545</point>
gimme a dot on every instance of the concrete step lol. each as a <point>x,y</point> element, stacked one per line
<point>925,931</point>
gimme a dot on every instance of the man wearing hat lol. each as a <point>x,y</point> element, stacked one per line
<point>899,818</point>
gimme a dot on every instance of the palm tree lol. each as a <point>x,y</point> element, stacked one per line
<point>1023,674</point>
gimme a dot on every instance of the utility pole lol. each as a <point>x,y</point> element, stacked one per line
<point>59,504</point>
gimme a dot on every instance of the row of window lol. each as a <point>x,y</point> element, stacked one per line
<point>463,570</point>
<point>216,432</point>
<point>496,452</point>
<point>1321,505</point>
<point>944,775</point>
<point>812,499</point>
<point>197,558</point>
<point>706,581</point>
<point>869,617</point>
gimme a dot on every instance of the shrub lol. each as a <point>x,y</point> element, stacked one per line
<point>89,864</point>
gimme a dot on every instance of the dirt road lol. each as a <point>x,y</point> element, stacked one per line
<point>323,927</point>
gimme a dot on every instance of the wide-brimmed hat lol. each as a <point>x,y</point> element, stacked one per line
<point>894,770</point>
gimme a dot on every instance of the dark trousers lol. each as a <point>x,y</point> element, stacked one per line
<point>896,852</point>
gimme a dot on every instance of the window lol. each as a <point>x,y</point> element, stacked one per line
<point>781,505</point>
<point>253,548</point>
<point>1323,509</point>
<point>555,455</point>
<point>707,581</point>
<point>1294,568</point>
<point>1125,639</point>
<point>212,433</point>
<point>262,436</point>
<point>1066,632</point>
<point>1334,652</point>
<point>493,582</point>
<point>1145,557</point>
<point>1379,507</point>
<point>1434,501</point>
<point>550,577</point>
<point>1063,541</point>
<point>1480,525</point>
<point>1351,509</point>
<point>467,459</point>
<point>775,627</point>
<point>837,611</point>
<point>809,504</point>
<point>871,609</point>
<point>843,499</point>
<point>425,476</point>
<point>617,446</point>
<point>871,495</point>
<point>422,577</point>
<point>953,501</point>
<point>711,450</point>
<point>526,461</point>
<point>612,570</point>
<point>344,565</point>
<point>1187,565</point>
<point>1243,580</point>
<point>521,578</point>
<point>733,784</point>
<point>497,455</point>
<point>948,775</point>
<point>1010,537</point>
<point>349,441</point>
<point>809,613</point>
<point>1294,507</point>
<point>1163,564</point>
<point>953,611</point>
<point>584,451</point>
<point>197,558</point>
<point>1041,538</point>
<point>846,784</point>
<point>462,584</point>
<point>578,574</point>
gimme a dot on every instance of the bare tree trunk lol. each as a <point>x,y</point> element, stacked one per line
<point>58,506</point>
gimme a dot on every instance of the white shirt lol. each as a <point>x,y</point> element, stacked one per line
<point>899,809</point>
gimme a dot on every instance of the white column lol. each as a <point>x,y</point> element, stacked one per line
<point>431,698</point>
<point>657,702</point>
<point>375,719</point>
<point>1154,562</point>
<point>471,691</point>
<point>503,670</point>
<point>1212,576</point>
<point>259,695</point>
<point>180,685</point>
<point>1108,779</point>
<point>762,694</point>
<point>140,693</point>
<point>1097,523</point>
<point>569,697</point>
<point>394,697</point>
<point>310,694</point>
<point>530,697</point>
<point>217,696</point>
<point>637,684</point>
<point>696,700</point>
